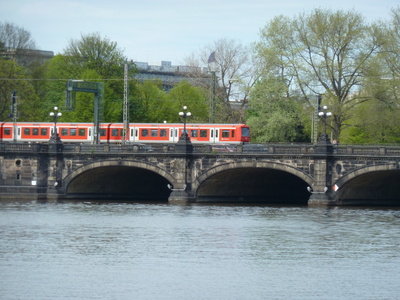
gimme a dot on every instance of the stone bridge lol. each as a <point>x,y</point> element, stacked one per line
<point>284,174</point>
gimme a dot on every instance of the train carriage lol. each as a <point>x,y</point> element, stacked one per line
<point>115,132</point>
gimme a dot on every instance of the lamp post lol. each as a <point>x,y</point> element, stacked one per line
<point>55,114</point>
<point>184,136</point>
<point>324,115</point>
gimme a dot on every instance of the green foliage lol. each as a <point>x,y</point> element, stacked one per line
<point>272,116</point>
<point>195,98</point>
<point>321,52</point>
<point>13,78</point>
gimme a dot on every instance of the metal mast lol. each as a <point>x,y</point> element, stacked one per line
<point>125,133</point>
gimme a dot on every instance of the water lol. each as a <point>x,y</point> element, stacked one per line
<point>159,251</point>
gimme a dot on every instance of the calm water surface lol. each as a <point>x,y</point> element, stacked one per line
<point>160,251</point>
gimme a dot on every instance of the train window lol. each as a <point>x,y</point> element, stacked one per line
<point>122,132</point>
<point>212,133</point>
<point>225,133</point>
<point>43,131</point>
<point>73,131</point>
<point>203,133</point>
<point>102,132</point>
<point>194,133</point>
<point>145,132</point>
<point>233,133</point>
<point>64,131</point>
<point>163,132</point>
<point>154,132</point>
<point>7,131</point>
<point>245,131</point>
<point>82,132</point>
<point>114,132</point>
<point>27,131</point>
<point>35,131</point>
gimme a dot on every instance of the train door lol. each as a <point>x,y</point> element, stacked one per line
<point>173,135</point>
<point>214,135</point>
<point>17,133</point>
<point>133,134</point>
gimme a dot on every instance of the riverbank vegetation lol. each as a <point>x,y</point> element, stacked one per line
<point>350,64</point>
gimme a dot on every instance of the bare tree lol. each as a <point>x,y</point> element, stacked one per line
<point>15,37</point>
<point>230,64</point>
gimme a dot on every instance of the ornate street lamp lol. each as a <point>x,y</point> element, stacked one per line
<point>324,115</point>
<point>184,136</point>
<point>55,114</point>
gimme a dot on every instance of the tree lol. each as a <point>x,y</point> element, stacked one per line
<point>232,64</point>
<point>274,117</point>
<point>380,84</point>
<point>13,78</point>
<point>324,52</point>
<point>148,99</point>
<point>15,37</point>
<point>93,52</point>
<point>195,98</point>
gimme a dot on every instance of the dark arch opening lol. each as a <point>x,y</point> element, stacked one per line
<point>380,188</point>
<point>254,185</point>
<point>119,182</point>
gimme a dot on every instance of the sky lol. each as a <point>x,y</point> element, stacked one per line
<point>165,30</point>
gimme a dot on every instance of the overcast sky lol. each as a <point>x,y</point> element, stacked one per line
<point>156,30</point>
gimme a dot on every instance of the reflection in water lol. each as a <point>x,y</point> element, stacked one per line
<point>160,251</point>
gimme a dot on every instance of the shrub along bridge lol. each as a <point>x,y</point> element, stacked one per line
<point>181,173</point>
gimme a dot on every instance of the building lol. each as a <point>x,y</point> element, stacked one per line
<point>170,75</point>
<point>25,57</point>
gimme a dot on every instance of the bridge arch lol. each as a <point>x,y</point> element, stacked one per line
<point>371,185</point>
<point>119,179</point>
<point>253,182</point>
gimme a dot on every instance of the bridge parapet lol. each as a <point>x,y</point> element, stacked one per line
<point>289,149</point>
<point>282,149</point>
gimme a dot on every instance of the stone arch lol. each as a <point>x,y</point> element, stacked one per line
<point>117,163</point>
<point>348,177</point>
<point>259,165</point>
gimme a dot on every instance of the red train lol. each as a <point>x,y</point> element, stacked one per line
<point>114,132</point>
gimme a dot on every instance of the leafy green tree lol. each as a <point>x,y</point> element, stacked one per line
<point>184,94</point>
<point>104,61</point>
<point>93,52</point>
<point>323,52</point>
<point>147,103</point>
<point>377,120</point>
<point>13,78</point>
<point>273,116</point>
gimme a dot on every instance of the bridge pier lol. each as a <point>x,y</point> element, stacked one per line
<point>180,197</point>
<point>322,193</point>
